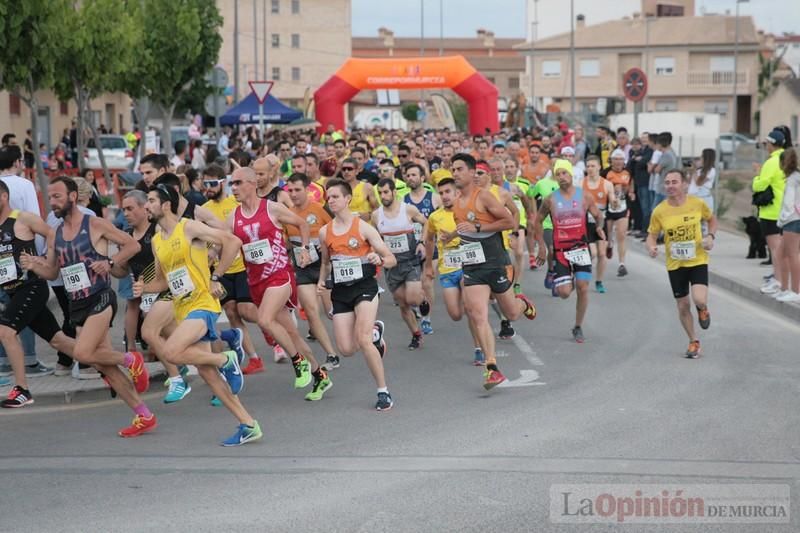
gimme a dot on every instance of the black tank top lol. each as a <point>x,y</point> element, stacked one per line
<point>75,258</point>
<point>11,274</point>
<point>143,264</point>
<point>189,211</point>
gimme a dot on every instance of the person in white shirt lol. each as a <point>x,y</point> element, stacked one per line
<point>198,155</point>
<point>23,197</point>
<point>702,183</point>
<point>222,144</point>
<point>578,167</point>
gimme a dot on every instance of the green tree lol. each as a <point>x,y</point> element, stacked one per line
<point>409,111</point>
<point>460,113</point>
<point>180,45</point>
<point>31,35</point>
<point>95,55</point>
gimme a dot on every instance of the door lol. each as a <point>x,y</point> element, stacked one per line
<point>744,114</point>
<point>43,124</point>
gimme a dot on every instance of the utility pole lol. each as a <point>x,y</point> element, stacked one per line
<point>572,56</point>
<point>255,37</point>
<point>264,31</point>
<point>235,51</point>
<point>735,107</point>
<point>441,28</point>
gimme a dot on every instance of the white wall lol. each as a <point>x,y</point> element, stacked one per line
<point>554,14</point>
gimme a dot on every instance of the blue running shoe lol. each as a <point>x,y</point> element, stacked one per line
<point>244,434</point>
<point>599,287</point>
<point>215,402</point>
<point>549,279</point>
<point>425,325</point>
<point>234,339</point>
<point>177,391</point>
<point>233,372</point>
<point>480,359</point>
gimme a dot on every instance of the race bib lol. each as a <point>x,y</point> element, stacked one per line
<point>148,299</point>
<point>180,283</point>
<point>75,277</point>
<point>453,257</point>
<point>579,257</point>
<point>418,231</point>
<point>312,253</point>
<point>472,254</point>
<point>8,270</point>
<point>258,252</point>
<point>347,270</point>
<point>683,250</point>
<point>397,243</point>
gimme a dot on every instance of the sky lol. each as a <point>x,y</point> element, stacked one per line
<point>507,17</point>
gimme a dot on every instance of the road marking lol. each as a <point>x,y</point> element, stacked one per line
<point>527,378</point>
<point>527,350</point>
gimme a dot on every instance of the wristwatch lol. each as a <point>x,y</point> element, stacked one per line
<point>478,227</point>
<point>110,262</point>
<point>307,247</point>
<point>214,277</point>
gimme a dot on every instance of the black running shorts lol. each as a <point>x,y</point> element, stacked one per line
<point>28,308</point>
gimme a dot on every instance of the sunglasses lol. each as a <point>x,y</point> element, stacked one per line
<point>402,155</point>
<point>348,169</point>
<point>211,183</point>
<point>480,173</point>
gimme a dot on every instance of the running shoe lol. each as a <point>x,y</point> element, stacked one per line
<point>517,289</point>
<point>331,362</point>
<point>599,287</point>
<point>789,297</point>
<point>178,390</point>
<point>377,337</point>
<point>492,378</point>
<point>532,262</point>
<point>425,326</point>
<point>88,373</point>
<point>302,373</point>
<point>138,373</point>
<point>530,309</point>
<point>416,342</point>
<point>384,402</point>
<point>479,359</point>
<point>417,314</point>
<point>506,330</point>
<point>424,309</point>
<point>62,370</point>
<point>303,315</point>
<point>37,370</point>
<point>693,352</point>
<point>549,279</point>
<point>18,397</point>
<point>622,271</point>
<point>139,426</point>
<point>183,371</point>
<point>609,250</point>
<point>577,334</point>
<point>321,384</point>
<point>234,338</point>
<point>781,294</point>
<point>279,354</point>
<point>244,434</point>
<point>216,402</point>
<point>771,287</point>
<point>254,366</point>
<point>310,336</point>
<point>232,372</point>
<point>704,317</point>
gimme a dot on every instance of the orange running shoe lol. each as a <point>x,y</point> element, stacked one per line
<point>138,373</point>
<point>303,315</point>
<point>492,378</point>
<point>693,352</point>
<point>254,366</point>
<point>139,426</point>
<point>530,310</point>
<point>704,317</point>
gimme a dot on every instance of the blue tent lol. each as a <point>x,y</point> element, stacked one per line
<point>246,112</point>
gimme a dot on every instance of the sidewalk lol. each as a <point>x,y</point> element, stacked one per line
<point>730,270</point>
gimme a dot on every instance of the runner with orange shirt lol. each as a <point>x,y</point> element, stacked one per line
<point>617,219</point>
<point>600,190</point>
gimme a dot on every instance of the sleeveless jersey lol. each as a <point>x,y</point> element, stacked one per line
<point>12,275</point>
<point>398,234</point>
<point>621,181</point>
<point>142,263</point>
<point>569,221</point>
<point>359,203</point>
<point>188,213</point>
<point>221,210</point>
<point>598,196</point>
<point>442,220</point>
<point>263,247</point>
<point>425,206</point>
<point>492,250</point>
<point>495,190</point>
<point>185,267</point>
<point>347,254</point>
<point>315,216</point>
<point>74,260</point>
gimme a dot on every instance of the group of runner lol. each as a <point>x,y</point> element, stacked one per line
<point>276,237</point>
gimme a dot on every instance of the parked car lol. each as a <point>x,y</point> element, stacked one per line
<point>115,151</point>
<point>726,142</point>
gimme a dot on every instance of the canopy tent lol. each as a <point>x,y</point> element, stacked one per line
<point>246,112</point>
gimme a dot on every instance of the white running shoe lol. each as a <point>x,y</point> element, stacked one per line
<point>279,354</point>
<point>788,297</point>
<point>771,287</point>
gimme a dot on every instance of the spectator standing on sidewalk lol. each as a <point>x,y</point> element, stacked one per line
<point>789,222</point>
<point>702,184</point>
<point>638,158</point>
<point>668,162</point>
<point>771,178</point>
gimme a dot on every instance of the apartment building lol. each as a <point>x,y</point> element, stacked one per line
<point>692,63</point>
<point>298,44</point>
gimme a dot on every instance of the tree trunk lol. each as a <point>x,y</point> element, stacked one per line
<point>81,125</point>
<point>142,107</point>
<point>166,127</point>
<point>96,137</point>
<point>33,104</point>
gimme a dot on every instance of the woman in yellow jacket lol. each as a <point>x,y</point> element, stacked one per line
<point>771,176</point>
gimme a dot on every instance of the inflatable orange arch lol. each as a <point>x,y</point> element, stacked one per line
<point>454,72</point>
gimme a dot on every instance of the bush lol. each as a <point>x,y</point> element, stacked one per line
<point>409,111</point>
<point>734,185</point>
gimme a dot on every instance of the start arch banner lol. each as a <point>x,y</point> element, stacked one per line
<point>453,72</point>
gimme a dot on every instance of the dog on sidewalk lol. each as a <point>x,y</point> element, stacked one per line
<point>758,243</point>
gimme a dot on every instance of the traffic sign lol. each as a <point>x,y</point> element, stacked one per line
<point>261,89</point>
<point>217,78</point>
<point>634,84</point>
<point>216,105</point>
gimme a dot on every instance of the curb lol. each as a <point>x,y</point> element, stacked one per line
<point>733,285</point>
<point>100,394</point>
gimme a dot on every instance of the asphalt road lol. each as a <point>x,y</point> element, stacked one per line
<point>625,407</point>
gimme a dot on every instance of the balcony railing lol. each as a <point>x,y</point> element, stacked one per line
<point>698,79</point>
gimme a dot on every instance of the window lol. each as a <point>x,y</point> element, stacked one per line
<point>666,10</point>
<point>295,73</point>
<point>276,7</point>
<point>513,83</point>
<point>490,79</point>
<point>665,66</point>
<point>551,68</point>
<point>295,7</point>
<point>295,40</point>
<point>276,40</point>
<point>589,68</point>
<point>666,105</point>
<point>716,107</point>
<point>13,105</point>
<point>63,108</point>
<point>276,73</point>
<point>721,64</point>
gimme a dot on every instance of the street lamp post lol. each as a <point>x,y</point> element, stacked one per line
<point>572,56</point>
<point>735,107</point>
